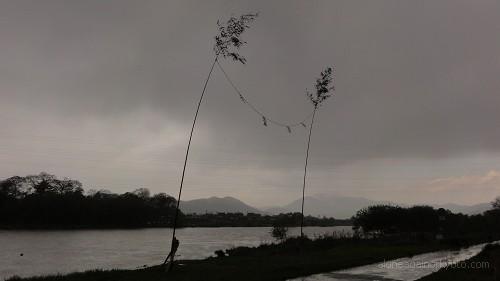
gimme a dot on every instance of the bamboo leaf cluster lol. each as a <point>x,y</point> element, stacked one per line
<point>228,41</point>
<point>324,85</point>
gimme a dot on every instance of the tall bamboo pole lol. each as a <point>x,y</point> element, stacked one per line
<point>323,87</point>
<point>305,172</point>
<point>185,162</point>
<point>227,42</point>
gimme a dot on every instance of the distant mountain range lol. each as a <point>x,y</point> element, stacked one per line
<point>469,210</point>
<point>217,205</point>
<point>340,207</point>
<point>334,206</point>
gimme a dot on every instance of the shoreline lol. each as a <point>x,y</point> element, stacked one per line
<point>292,259</point>
<point>147,227</point>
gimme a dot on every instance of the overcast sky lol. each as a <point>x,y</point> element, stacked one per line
<point>104,92</point>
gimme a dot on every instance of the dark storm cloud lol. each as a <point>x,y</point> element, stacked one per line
<point>415,80</point>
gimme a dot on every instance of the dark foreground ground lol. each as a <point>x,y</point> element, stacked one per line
<point>479,268</point>
<point>293,258</point>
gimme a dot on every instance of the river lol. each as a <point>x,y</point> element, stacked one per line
<point>29,253</point>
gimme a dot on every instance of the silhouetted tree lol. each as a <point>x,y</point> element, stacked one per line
<point>324,85</point>
<point>162,200</point>
<point>379,219</point>
<point>11,187</point>
<point>383,220</point>
<point>279,232</point>
<point>496,204</point>
<point>142,193</point>
<point>44,201</point>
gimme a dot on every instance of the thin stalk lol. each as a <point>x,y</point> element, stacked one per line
<point>185,160</point>
<point>305,172</point>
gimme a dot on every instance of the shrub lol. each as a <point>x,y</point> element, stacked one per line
<point>279,232</point>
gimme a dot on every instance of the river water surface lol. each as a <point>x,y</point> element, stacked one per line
<point>28,253</point>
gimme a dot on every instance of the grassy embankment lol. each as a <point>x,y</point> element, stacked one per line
<point>293,258</point>
<point>478,268</point>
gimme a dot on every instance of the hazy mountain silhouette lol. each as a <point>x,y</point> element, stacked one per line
<point>464,209</point>
<point>217,205</point>
<point>340,207</point>
<point>337,207</point>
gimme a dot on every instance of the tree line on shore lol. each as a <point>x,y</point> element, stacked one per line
<point>426,221</point>
<point>45,201</point>
<point>253,219</point>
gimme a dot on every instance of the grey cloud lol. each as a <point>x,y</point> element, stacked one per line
<point>415,80</point>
